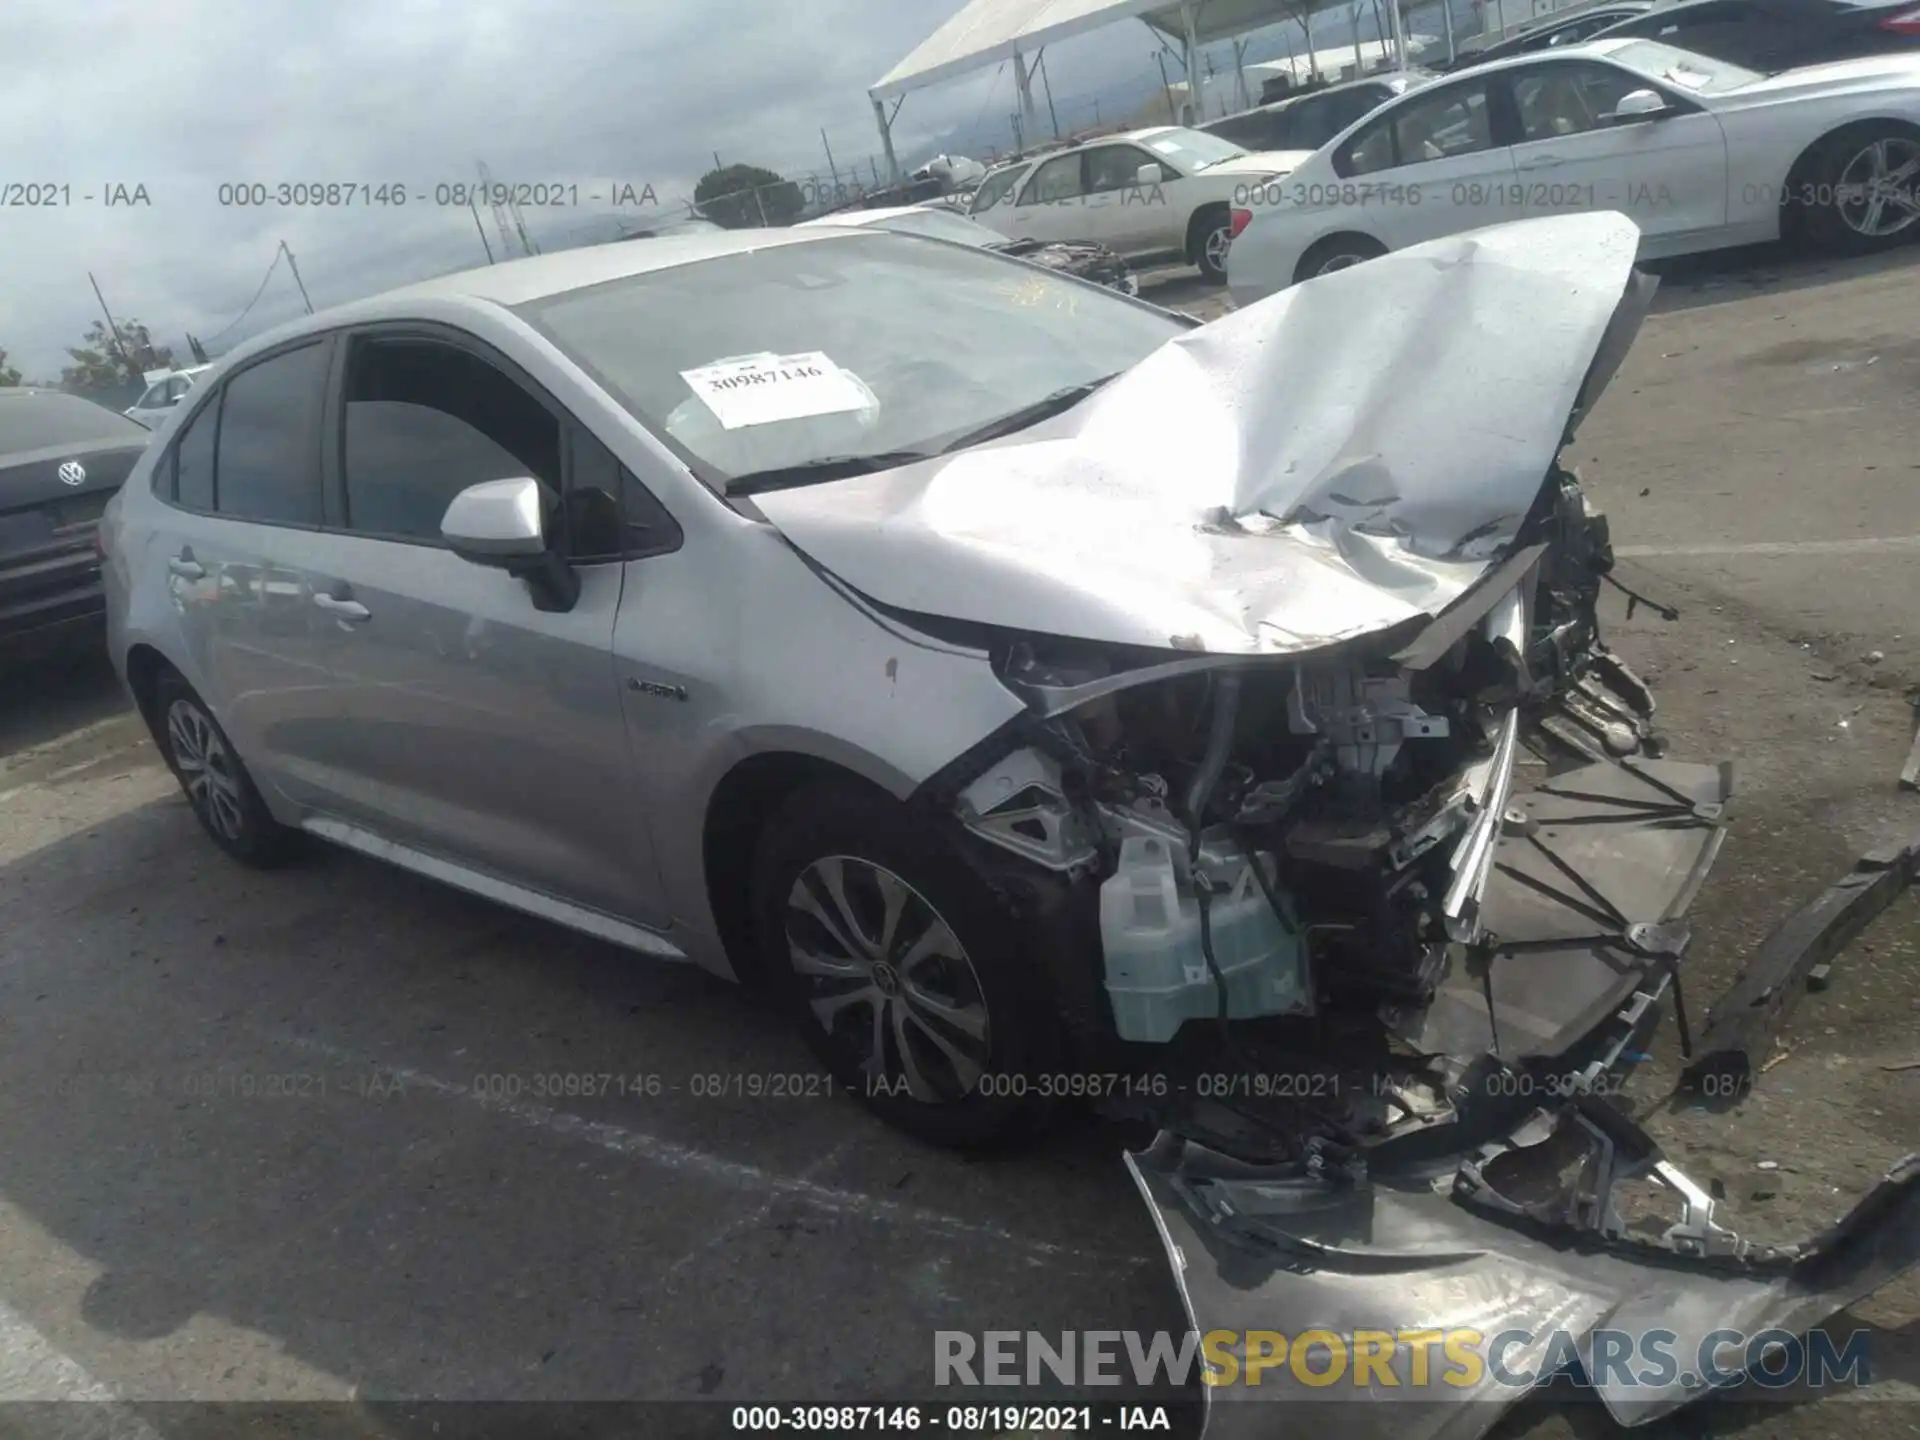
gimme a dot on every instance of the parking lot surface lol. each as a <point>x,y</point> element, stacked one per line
<point>337,1133</point>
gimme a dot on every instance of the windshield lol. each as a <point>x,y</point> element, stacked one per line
<point>1673,66</point>
<point>851,345</point>
<point>942,225</point>
<point>1192,149</point>
<point>42,419</point>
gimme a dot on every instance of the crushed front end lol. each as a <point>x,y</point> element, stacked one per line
<point>1346,841</point>
<point>1379,932</point>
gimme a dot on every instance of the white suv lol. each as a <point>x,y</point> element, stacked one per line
<point>1166,190</point>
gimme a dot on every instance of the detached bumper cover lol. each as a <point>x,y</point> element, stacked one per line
<point>1513,1226</point>
<point>1292,1255</point>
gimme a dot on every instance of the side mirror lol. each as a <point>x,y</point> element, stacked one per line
<point>1147,174</point>
<point>1638,105</point>
<point>502,524</point>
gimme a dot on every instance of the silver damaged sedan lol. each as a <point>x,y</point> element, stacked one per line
<point>1048,699</point>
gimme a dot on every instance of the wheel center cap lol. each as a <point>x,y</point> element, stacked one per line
<point>886,979</point>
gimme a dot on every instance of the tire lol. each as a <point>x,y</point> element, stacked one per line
<point>1840,199</point>
<point>953,999</point>
<point>1337,252</point>
<point>216,783</point>
<point>1210,236</point>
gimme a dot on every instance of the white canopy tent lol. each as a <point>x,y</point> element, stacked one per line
<point>986,32</point>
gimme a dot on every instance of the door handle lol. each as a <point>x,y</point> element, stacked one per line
<point>343,609</point>
<point>186,567</point>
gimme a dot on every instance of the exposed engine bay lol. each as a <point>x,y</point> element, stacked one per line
<point>1316,841</point>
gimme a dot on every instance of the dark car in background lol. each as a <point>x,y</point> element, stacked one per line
<point>1565,27</point>
<point>1307,121</point>
<point>61,459</point>
<point>1775,35</point>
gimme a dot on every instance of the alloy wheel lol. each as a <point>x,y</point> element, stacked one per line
<point>884,972</point>
<point>1338,262</point>
<point>207,768</point>
<point>1878,193</point>
<point>1218,242</point>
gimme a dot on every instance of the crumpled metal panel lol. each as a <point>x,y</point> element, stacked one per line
<point>1346,455</point>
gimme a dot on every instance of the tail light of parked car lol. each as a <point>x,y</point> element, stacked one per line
<point>1240,220</point>
<point>1904,22</point>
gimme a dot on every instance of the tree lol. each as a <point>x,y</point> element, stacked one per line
<point>8,375</point>
<point>741,196</point>
<point>98,363</point>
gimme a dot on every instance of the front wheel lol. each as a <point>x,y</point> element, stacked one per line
<point>1861,191</point>
<point>903,971</point>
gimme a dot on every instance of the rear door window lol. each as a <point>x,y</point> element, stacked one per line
<point>193,460</point>
<point>1058,179</point>
<point>267,463</point>
<point>1436,125</point>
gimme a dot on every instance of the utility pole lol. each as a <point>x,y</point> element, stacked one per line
<point>1041,60</point>
<point>119,340</point>
<point>500,221</point>
<point>831,168</point>
<point>474,210</point>
<point>296,275</point>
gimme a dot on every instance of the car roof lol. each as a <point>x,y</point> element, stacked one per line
<point>1412,73</point>
<point>1585,48</point>
<point>1573,13</point>
<point>867,217</point>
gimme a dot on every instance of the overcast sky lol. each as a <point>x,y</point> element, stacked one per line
<point>184,95</point>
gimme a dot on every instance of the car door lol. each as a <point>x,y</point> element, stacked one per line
<point>1668,173</point>
<point>1051,203</point>
<point>242,508</point>
<point>1130,217</point>
<point>1431,165</point>
<point>467,723</point>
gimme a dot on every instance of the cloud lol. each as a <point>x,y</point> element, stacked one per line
<point>198,94</point>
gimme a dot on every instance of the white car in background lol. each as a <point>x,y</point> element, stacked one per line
<point>1166,190</point>
<point>1700,154</point>
<point>162,395</point>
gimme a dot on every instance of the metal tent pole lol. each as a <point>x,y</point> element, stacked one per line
<point>886,139</point>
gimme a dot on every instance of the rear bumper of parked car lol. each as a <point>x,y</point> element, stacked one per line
<point>51,598</point>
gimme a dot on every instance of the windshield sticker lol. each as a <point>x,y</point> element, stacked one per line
<point>767,388</point>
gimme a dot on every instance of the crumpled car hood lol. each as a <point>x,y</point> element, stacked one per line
<point>1341,457</point>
